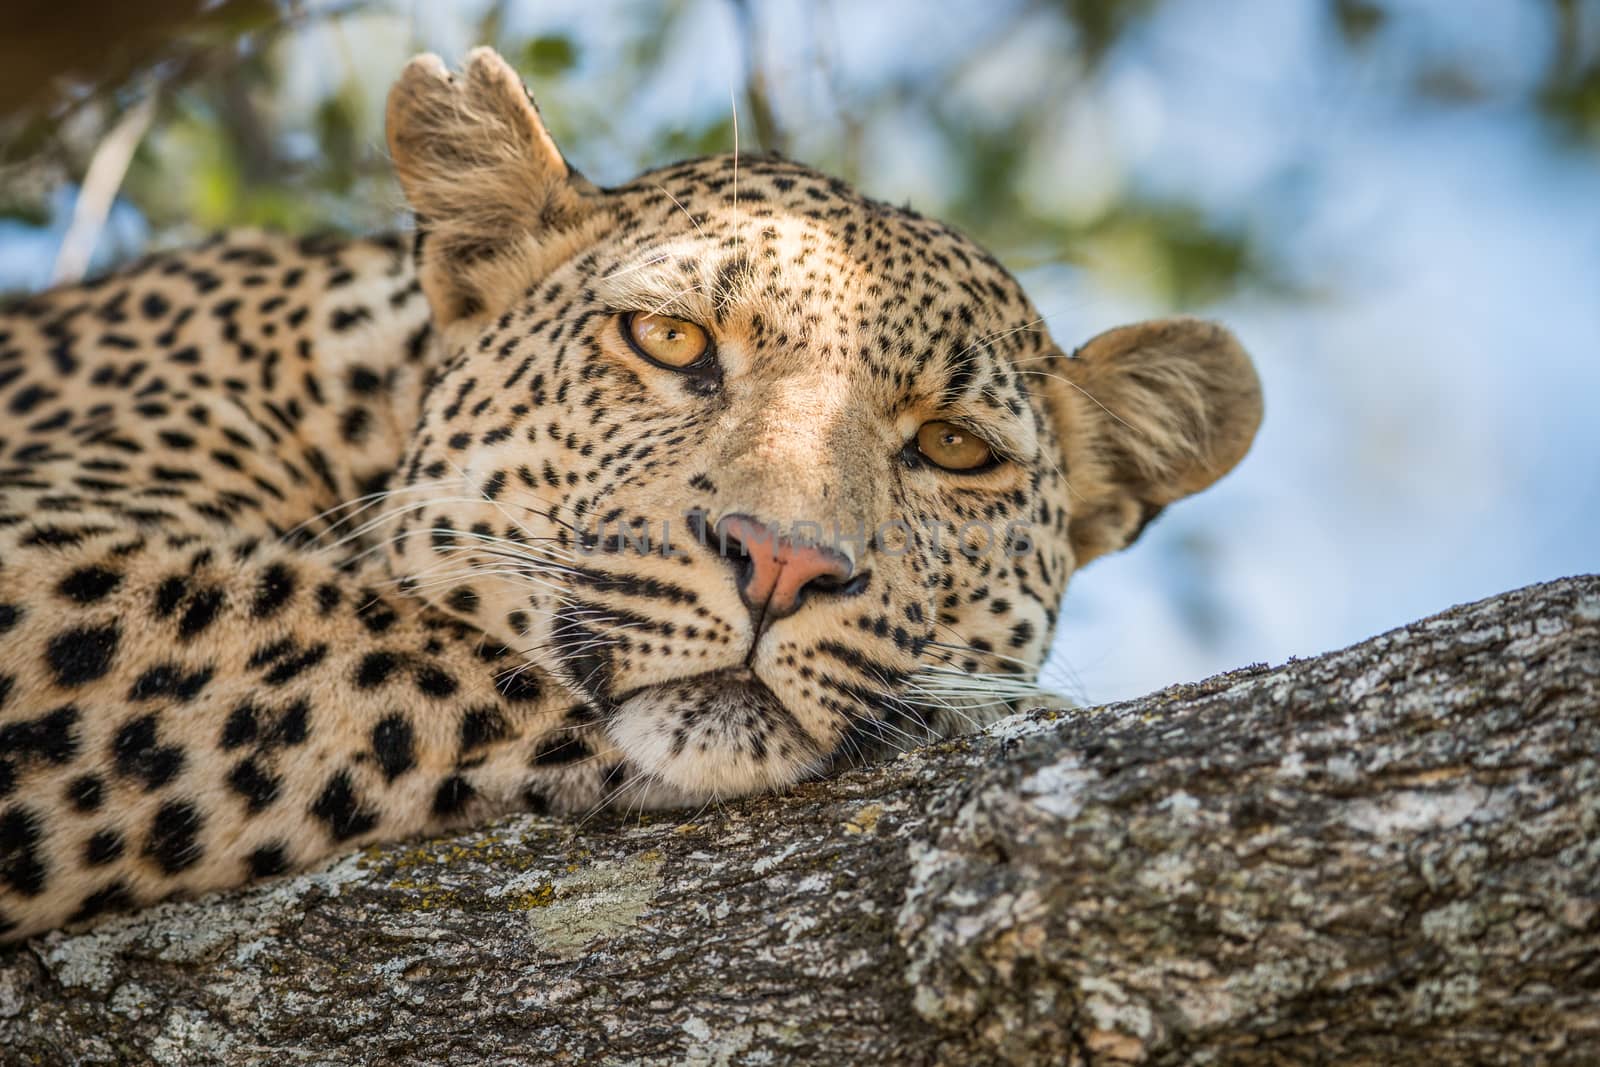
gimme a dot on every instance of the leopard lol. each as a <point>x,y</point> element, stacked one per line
<point>569,496</point>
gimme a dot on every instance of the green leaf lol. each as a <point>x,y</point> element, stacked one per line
<point>549,55</point>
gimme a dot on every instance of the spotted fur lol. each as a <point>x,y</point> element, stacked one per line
<point>302,542</point>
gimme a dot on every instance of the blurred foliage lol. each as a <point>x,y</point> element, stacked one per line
<point>1570,90</point>
<point>270,112</point>
<point>548,55</point>
<point>1358,20</point>
<point>1099,24</point>
<point>60,52</point>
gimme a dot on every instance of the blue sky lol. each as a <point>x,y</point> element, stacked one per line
<point>1433,427</point>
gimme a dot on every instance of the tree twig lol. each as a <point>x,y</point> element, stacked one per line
<point>107,167</point>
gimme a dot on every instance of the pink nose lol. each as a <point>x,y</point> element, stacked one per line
<point>777,572</point>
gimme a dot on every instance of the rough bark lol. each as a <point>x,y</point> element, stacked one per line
<point>1383,855</point>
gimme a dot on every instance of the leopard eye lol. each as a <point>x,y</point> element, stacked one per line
<point>668,342</point>
<point>955,448</point>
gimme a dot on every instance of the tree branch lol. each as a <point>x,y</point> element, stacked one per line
<point>1382,855</point>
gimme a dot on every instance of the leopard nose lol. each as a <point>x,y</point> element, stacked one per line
<point>777,573</point>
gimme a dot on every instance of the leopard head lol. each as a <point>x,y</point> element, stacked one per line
<point>771,474</point>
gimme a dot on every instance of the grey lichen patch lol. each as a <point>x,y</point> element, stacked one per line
<point>713,1044</point>
<point>13,993</point>
<point>1444,997</point>
<point>1059,787</point>
<point>190,1037</point>
<point>1409,811</point>
<point>133,1001</point>
<point>1587,609</point>
<point>189,931</point>
<point>595,904</point>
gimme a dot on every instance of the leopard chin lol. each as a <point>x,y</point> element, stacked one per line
<point>712,736</point>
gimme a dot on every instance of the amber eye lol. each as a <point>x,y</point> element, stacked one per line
<point>674,343</point>
<point>952,447</point>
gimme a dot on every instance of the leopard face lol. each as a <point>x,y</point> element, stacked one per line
<point>909,467</point>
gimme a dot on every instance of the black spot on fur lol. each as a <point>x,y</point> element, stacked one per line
<point>452,795</point>
<point>103,847</point>
<point>114,897</point>
<point>293,666</point>
<point>173,841</point>
<point>376,668</point>
<point>240,729</point>
<point>328,597</point>
<point>482,726</point>
<point>138,755</point>
<point>583,713</point>
<point>354,425</point>
<point>88,584</point>
<point>374,614</point>
<point>21,866</point>
<point>363,381</point>
<point>86,792</point>
<point>258,787</point>
<point>58,536</point>
<point>81,655</point>
<point>341,809</point>
<point>270,653</point>
<point>51,737</point>
<point>561,750</point>
<point>202,612</point>
<point>267,861</point>
<point>394,744</point>
<point>293,725</point>
<point>273,591</point>
<point>434,682</point>
<point>1021,634</point>
<point>169,594</point>
<point>30,397</point>
<point>519,685</point>
<point>344,318</point>
<point>170,680</point>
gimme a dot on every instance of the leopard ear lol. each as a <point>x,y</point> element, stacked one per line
<point>496,204</point>
<point>1148,414</point>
